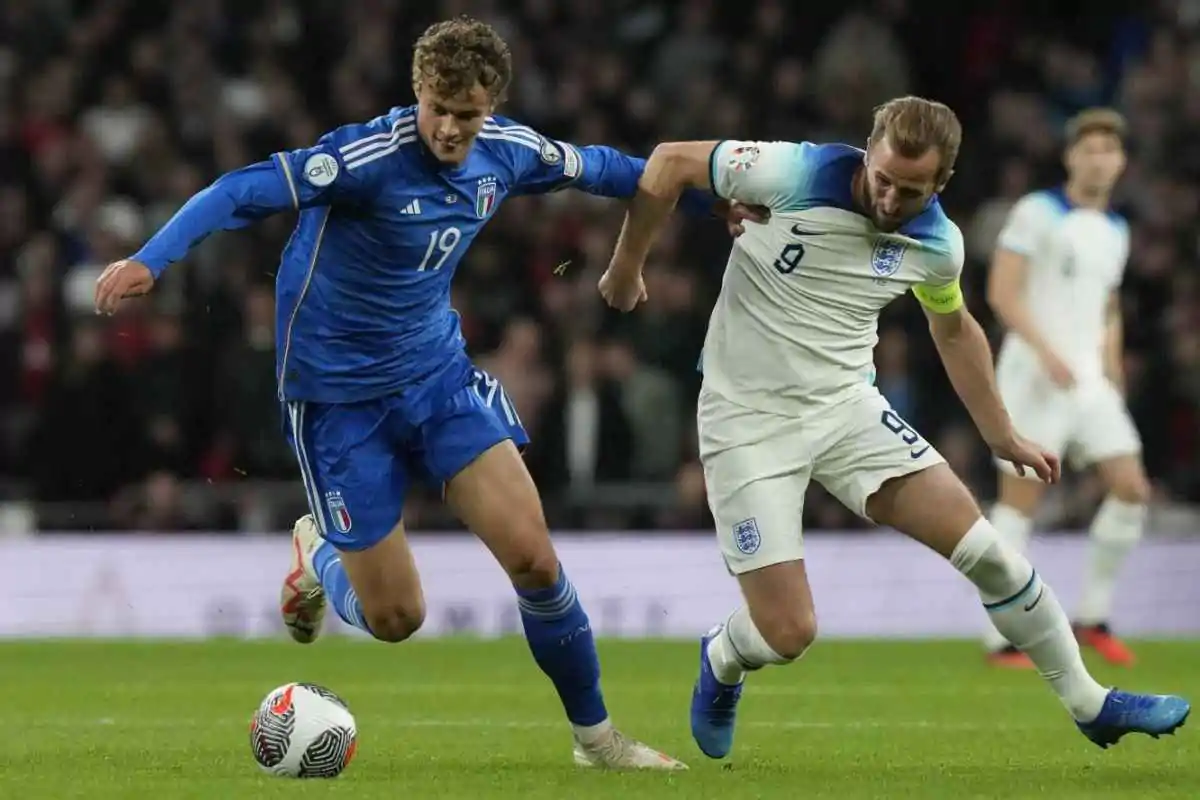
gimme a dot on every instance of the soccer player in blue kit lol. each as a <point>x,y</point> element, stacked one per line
<point>371,364</point>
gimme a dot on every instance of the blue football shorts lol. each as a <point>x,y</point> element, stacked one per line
<point>358,460</point>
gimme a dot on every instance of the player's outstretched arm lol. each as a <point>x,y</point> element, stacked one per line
<point>672,168</point>
<point>964,350</point>
<point>344,166</point>
<point>233,201</point>
<point>595,169</point>
<point>759,174</point>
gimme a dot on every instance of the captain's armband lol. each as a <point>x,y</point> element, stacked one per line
<point>944,299</point>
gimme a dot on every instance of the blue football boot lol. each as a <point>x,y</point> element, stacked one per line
<point>1125,712</point>
<point>714,706</point>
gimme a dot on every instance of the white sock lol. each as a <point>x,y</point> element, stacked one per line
<point>739,649</point>
<point>1014,529</point>
<point>590,734</point>
<point>1115,531</point>
<point>1028,614</point>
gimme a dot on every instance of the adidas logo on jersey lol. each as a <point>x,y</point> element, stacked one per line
<point>412,208</point>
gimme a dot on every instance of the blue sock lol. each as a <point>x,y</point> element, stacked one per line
<point>341,594</point>
<point>560,638</point>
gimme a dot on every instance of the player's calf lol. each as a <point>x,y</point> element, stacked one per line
<point>1012,517</point>
<point>1115,531</point>
<point>496,499</point>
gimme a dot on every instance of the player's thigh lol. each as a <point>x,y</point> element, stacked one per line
<point>932,506</point>
<point>1105,437</point>
<point>472,447</point>
<point>1020,492</point>
<point>356,485</point>
<point>882,469</point>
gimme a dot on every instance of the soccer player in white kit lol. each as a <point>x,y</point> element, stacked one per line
<point>788,398</point>
<point>1055,285</point>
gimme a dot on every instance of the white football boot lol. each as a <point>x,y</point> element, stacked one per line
<point>617,751</point>
<point>302,601</point>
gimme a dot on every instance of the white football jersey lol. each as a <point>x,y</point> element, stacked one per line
<point>796,321</point>
<point>1076,259</point>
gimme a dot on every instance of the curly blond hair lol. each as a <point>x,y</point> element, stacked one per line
<point>456,54</point>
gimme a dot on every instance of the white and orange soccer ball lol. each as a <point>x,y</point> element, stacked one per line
<point>302,730</point>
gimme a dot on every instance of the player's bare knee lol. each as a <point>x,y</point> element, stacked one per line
<point>533,568</point>
<point>395,623</point>
<point>1134,490</point>
<point>790,634</point>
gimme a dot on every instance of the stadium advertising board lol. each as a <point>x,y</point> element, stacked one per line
<point>866,585</point>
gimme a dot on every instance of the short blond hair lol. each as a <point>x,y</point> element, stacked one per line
<point>913,126</point>
<point>1095,120</point>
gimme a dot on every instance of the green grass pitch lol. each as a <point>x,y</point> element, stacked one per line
<point>471,720</point>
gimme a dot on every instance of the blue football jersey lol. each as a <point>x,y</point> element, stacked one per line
<point>364,284</point>
<point>363,288</point>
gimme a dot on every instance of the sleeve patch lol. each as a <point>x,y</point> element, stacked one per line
<point>549,153</point>
<point>572,162</point>
<point>742,158</point>
<point>321,169</point>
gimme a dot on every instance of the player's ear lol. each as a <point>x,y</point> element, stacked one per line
<point>942,185</point>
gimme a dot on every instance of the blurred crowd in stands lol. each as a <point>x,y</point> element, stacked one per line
<point>113,112</point>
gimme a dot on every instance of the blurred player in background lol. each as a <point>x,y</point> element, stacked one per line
<point>1055,285</point>
<point>372,368</point>
<point>788,397</point>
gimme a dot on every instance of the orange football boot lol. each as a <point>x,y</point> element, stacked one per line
<point>1100,638</point>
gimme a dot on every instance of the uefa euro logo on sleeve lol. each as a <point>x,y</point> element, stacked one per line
<point>887,256</point>
<point>746,536</point>
<point>338,513</point>
<point>743,158</point>
<point>485,197</point>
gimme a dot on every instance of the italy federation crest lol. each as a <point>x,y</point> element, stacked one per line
<point>887,257</point>
<point>746,536</point>
<point>339,515</point>
<point>485,197</point>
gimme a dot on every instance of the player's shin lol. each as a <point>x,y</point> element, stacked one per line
<point>1014,530</point>
<point>739,648</point>
<point>1115,531</point>
<point>560,638</point>
<point>1026,611</point>
<point>332,575</point>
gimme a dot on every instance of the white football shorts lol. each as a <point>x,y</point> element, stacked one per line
<point>757,467</point>
<point>1083,425</point>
